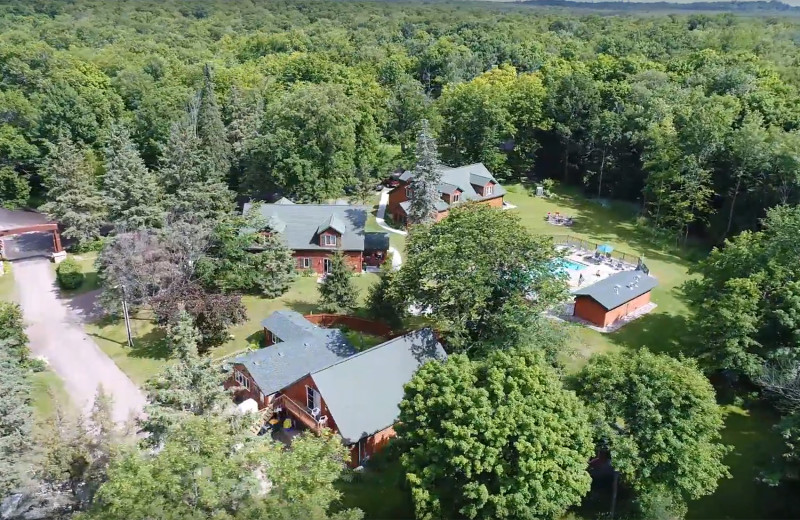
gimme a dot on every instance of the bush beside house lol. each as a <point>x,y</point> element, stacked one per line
<point>69,274</point>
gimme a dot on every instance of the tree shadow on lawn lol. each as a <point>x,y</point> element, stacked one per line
<point>660,333</point>
<point>152,345</point>
<point>301,306</point>
<point>610,224</point>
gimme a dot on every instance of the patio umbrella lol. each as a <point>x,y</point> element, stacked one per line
<point>605,248</point>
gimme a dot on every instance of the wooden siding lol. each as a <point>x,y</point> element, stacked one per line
<point>354,259</point>
<point>588,309</point>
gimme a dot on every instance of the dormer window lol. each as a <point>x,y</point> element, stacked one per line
<point>455,197</point>
<point>329,240</point>
<point>408,192</point>
<point>488,189</point>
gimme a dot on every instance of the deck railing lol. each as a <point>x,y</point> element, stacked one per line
<point>300,413</point>
<point>588,245</point>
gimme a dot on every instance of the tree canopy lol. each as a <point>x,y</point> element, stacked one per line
<point>497,438</point>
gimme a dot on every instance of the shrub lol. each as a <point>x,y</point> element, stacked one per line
<point>69,274</point>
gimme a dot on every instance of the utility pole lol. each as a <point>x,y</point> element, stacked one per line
<point>127,317</point>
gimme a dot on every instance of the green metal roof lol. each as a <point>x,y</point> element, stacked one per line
<point>618,289</point>
<point>363,392</point>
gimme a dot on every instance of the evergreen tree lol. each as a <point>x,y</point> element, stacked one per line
<point>211,129</point>
<point>195,189</point>
<point>15,419</point>
<point>192,386</point>
<point>427,175</point>
<point>73,198</point>
<point>245,113</point>
<point>130,189</point>
<point>337,292</point>
<point>383,302</point>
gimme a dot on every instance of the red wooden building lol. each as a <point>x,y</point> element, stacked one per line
<point>613,298</point>
<point>466,183</point>
<point>316,379</point>
<point>314,232</point>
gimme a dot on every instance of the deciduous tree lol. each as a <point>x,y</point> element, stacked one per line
<point>510,272</point>
<point>670,445</point>
<point>498,438</point>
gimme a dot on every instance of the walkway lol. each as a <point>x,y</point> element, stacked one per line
<point>381,216</point>
<point>56,333</point>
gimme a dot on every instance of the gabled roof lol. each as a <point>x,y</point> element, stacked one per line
<point>464,178</point>
<point>332,222</point>
<point>440,205</point>
<point>449,189</point>
<point>289,325</point>
<point>303,223</point>
<point>276,224</point>
<point>304,348</point>
<point>283,200</point>
<point>618,289</point>
<point>363,392</point>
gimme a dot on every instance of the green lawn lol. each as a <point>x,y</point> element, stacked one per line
<point>362,341</point>
<point>615,224</point>
<point>7,289</point>
<point>149,354</point>
<point>90,278</point>
<point>48,392</point>
<point>380,491</point>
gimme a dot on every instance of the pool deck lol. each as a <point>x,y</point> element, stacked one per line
<point>594,272</point>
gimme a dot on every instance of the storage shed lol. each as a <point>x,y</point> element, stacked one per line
<point>613,298</point>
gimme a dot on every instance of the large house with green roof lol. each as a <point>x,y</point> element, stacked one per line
<point>473,182</point>
<point>314,232</point>
<point>314,378</point>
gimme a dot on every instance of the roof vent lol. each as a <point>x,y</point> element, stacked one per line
<point>280,354</point>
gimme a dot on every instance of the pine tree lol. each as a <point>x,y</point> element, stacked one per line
<point>367,158</point>
<point>73,198</point>
<point>383,303</point>
<point>194,188</point>
<point>245,114</point>
<point>130,189</point>
<point>211,129</point>
<point>337,292</point>
<point>192,386</point>
<point>427,176</point>
<point>15,420</point>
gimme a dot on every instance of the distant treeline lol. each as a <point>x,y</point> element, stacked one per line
<point>724,7</point>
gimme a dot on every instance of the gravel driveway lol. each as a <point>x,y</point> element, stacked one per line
<point>56,333</point>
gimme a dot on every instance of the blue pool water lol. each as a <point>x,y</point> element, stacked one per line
<point>563,263</point>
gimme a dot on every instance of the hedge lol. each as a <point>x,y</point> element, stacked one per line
<point>69,274</point>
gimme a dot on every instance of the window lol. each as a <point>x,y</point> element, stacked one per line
<point>408,192</point>
<point>488,189</point>
<point>313,401</point>
<point>328,240</point>
<point>305,263</point>
<point>273,338</point>
<point>455,197</point>
<point>327,264</point>
<point>242,379</point>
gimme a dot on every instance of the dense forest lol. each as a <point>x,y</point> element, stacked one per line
<point>144,121</point>
<point>693,117</point>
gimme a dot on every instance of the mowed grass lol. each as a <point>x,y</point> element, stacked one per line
<point>90,279</point>
<point>150,353</point>
<point>48,392</point>
<point>615,224</point>
<point>7,289</point>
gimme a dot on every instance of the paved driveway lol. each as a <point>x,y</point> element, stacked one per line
<point>56,333</point>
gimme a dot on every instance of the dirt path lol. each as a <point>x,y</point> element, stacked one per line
<point>56,333</point>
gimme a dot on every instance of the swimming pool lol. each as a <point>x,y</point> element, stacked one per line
<point>569,265</point>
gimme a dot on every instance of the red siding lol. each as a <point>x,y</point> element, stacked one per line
<point>370,445</point>
<point>297,393</point>
<point>398,195</point>
<point>330,233</point>
<point>240,391</point>
<point>588,309</point>
<point>354,259</point>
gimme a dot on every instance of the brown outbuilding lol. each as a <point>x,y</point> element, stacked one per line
<point>613,298</point>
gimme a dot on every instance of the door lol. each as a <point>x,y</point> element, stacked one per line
<point>326,265</point>
<point>313,401</point>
